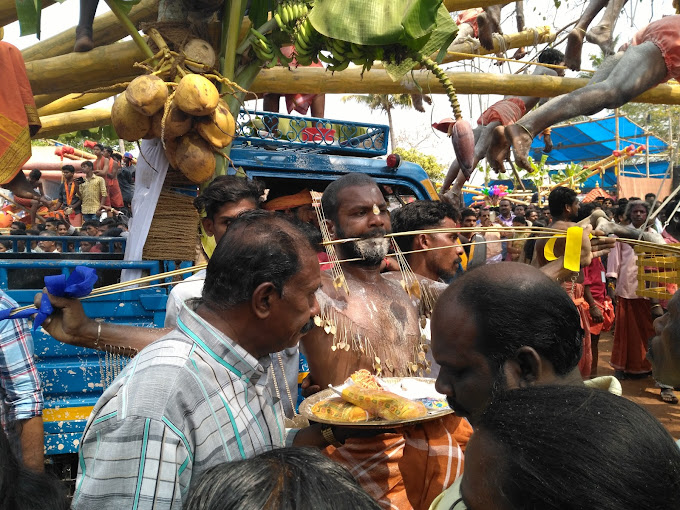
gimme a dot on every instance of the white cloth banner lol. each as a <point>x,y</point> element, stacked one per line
<point>152,166</point>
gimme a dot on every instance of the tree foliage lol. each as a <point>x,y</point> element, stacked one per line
<point>429,163</point>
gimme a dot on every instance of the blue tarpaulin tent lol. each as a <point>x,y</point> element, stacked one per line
<point>594,140</point>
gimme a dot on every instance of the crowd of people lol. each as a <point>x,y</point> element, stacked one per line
<point>215,392</point>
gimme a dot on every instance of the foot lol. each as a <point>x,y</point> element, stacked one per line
<point>602,36</point>
<point>499,150</point>
<point>572,55</point>
<point>84,41</point>
<point>487,26</point>
<point>668,396</point>
<point>547,143</point>
<point>620,375</point>
<point>520,140</point>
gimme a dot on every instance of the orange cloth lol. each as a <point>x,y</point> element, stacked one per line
<point>632,332</point>
<point>506,111</point>
<point>585,364</point>
<point>607,309</point>
<point>407,471</point>
<point>18,115</point>
<point>301,198</point>
<point>665,34</point>
<point>469,16</point>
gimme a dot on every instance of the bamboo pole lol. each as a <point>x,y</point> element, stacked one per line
<point>78,72</point>
<point>281,80</point>
<point>106,30</point>
<point>8,10</point>
<point>459,5</point>
<point>73,102</point>
<point>53,125</point>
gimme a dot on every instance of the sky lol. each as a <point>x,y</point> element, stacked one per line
<point>413,129</point>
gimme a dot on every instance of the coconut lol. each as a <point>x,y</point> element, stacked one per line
<point>196,95</point>
<point>129,124</point>
<point>177,123</point>
<point>194,158</point>
<point>147,94</point>
<point>171,145</point>
<point>155,130</point>
<point>219,128</point>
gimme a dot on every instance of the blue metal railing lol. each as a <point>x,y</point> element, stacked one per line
<point>286,132</point>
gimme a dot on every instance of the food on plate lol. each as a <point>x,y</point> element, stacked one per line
<point>336,409</point>
<point>385,404</point>
<point>365,379</point>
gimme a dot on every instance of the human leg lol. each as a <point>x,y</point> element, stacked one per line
<point>601,34</point>
<point>594,340</point>
<point>488,23</point>
<point>84,36</point>
<point>319,105</point>
<point>637,70</point>
<point>572,55</point>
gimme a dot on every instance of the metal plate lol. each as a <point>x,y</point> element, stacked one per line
<point>375,423</point>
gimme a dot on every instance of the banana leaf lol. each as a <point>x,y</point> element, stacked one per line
<point>29,11</point>
<point>437,41</point>
<point>375,22</point>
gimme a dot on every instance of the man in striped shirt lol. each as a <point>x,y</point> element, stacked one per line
<point>21,400</point>
<point>199,397</point>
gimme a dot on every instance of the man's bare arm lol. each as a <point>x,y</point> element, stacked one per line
<point>69,324</point>
<point>32,443</point>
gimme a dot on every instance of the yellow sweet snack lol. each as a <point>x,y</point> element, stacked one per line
<point>385,404</point>
<point>365,379</point>
<point>336,409</point>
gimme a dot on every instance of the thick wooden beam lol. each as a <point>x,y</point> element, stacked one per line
<point>78,72</point>
<point>74,102</point>
<point>316,81</point>
<point>8,10</point>
<point>106,29</point>
<point>54,125</point>
<point>459,5</point>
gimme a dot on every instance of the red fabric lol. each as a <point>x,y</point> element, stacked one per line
<point>593,276</point>
<point>506,111</point>
<point>407,471</point>
<point>324,261</point>
<point>665,34</point>
<point>26,202</point>
<point>607,309</point>
<point>631,335</point>
<point>469,16</point>
<point>585,364</point>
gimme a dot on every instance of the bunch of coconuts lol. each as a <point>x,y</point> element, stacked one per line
<point>192,123</point>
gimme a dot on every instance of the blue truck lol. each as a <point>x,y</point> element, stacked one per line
<point>287,153</point>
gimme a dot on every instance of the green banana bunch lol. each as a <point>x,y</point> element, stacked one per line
<point>307,43</point>
<point>344,53</point>
<point>263,49</point>
<point>287,14</point>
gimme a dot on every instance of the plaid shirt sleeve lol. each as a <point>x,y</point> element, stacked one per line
<point>102,186</point>
<point>19,380</point>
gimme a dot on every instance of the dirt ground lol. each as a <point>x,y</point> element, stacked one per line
<point>641,391</point>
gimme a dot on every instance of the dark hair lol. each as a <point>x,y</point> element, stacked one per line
<point>117,157</point>
<point>35,175</point>
<point>578,448</point>
<point>419,215</point>
<point>89,223</point>
<point>585,210</point>
<point>520,219</point>
<point>20,225</point>
<point>23,489</point>
<point>68,168</point>
<point>551,56</point>
<point>329,200</point>
<point>87,163</point>
<point>6,244</point>
<point>515,305</point>
<point>634,203</point>
<point>99,146</point>
<point>468,212</point>
<point>559,198</point>
<point>107,222</point>
<point>280,479</point>
<point>32,232</point>
<point>227,189</point>
<point>17,232</point>
<point>259,246</point>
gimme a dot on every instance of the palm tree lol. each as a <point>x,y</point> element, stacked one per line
<point>388,102</point>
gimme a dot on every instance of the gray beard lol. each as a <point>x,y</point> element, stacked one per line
<point>372,250</point>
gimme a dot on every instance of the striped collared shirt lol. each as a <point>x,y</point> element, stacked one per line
<point>20,395</point>
<point>187,402</point>
<point>91,192</point>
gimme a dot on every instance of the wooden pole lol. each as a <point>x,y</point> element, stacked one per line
<point>106,30</point>
<point>459,5</point>
<point>53,125</point>
<point>318,81</point>
<point>73,102</point>
<point>78,72</point>
<point>8,11</point>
